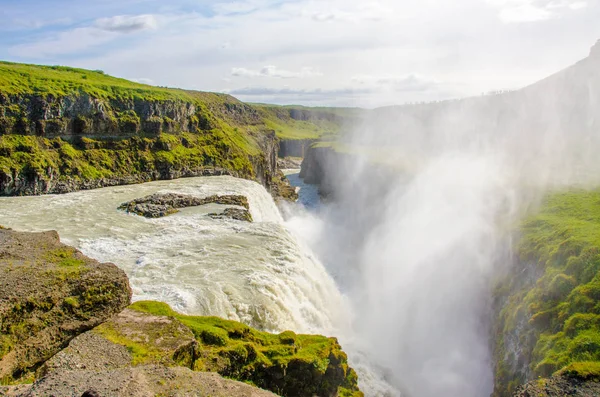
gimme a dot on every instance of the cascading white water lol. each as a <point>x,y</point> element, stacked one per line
<point>258,273</point>
<point>251,272</point>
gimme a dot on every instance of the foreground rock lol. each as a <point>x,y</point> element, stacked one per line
<point>139,381</point>
<point>50,293</point>
<point>150,333</point>
<point>162,204</point>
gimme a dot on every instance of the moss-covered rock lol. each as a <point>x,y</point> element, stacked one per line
<point>152,333</point>
<point>287,364</point>
<point>50,293</point>
<point>548,309</point>
<point>128,339</point>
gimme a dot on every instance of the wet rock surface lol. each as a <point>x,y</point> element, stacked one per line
<point>237,214</point>
<point>163,204</point>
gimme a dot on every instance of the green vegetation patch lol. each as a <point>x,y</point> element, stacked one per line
<point>563,306</point>
<point>19,79</point>
<point>299,122</point>
<point>91,159</point>
<point>287,363</point>
<point>65,257</point>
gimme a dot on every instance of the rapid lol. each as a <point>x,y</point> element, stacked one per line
<point>261,273</point>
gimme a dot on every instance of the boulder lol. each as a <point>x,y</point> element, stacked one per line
<point>49,294</point>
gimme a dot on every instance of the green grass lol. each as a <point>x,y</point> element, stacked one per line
<point>19,79</point>
<point>299,122</point>
<point>237,351</point>
<point>563,306</point>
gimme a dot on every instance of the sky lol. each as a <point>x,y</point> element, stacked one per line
<point>312,52</point>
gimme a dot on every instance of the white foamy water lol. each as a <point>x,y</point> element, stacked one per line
<point>251,272</point>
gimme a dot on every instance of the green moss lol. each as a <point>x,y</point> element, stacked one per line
<point>95,159</point>
<point>64,257</point>
<point>562,305</point>
<point>286,363</point>
<point>586,370</point>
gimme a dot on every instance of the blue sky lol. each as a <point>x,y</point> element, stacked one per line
<point>314,52</point>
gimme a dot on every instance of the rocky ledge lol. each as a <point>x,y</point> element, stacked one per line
<point>162,204</point>
<point>50,293</point>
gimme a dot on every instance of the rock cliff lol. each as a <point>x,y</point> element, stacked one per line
<point>64,129</point>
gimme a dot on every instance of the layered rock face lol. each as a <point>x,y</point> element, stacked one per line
<point>294,147</point>
<point>84,115</point>
<point>50,293</point>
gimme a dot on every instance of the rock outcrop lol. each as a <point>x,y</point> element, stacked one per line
<point>238,214</point>
<point>294,147</point>
<point>50,293</point>
<point>150,333</point>
<point>162,204</point>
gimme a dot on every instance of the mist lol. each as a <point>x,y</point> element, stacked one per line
<point>423,212</point>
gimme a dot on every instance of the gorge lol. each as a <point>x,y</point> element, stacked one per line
<point>455,251</point>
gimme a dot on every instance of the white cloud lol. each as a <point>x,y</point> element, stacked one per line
<point>273,71</point>
<point>393,47</point>
<point>408,83</point>
<point>126,23</point>
<point>515,11</point>
<point>349,12</point>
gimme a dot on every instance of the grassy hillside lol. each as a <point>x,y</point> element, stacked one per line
<point>561,303</point>
<point>67,124</point>
<point>301,122</point>
<point>59,81</point>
